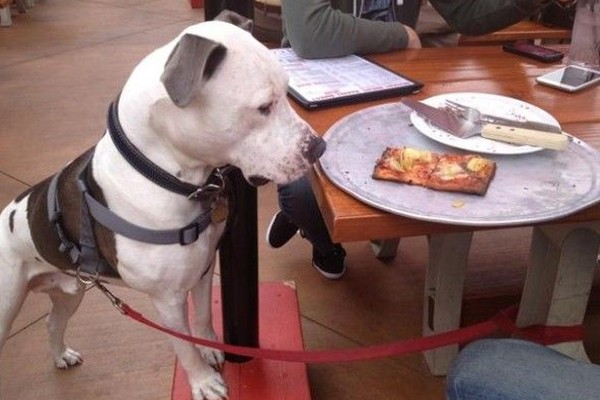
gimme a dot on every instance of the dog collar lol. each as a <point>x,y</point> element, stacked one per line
<point>213,186</point>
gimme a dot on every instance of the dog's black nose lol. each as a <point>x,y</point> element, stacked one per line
<point>256,180</point>
<point>314,148</point>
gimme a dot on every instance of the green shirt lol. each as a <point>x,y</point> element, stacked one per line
<point>328,28</point>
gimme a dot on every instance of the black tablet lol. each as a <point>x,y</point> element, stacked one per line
<point>317,83</point>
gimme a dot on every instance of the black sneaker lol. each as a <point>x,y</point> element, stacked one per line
<point>331,265</point>
<point>280,230</point>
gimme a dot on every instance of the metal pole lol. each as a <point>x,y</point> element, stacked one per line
<point>212,8</point>
<point>238,255</point>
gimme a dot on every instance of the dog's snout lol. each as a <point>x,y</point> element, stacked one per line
<point>315,147</point>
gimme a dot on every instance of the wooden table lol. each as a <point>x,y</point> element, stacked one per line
<point>523,30</point>
<point>563,252</point>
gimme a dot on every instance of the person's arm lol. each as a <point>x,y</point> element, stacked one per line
<point>317,30</point>
<point>480,17</point>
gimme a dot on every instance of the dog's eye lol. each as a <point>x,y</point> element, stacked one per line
<point>265,109</point>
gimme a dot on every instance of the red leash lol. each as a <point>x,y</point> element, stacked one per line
<point>502,322</point>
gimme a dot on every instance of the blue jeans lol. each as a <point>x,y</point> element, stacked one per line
<point>510,369</point>
<point>298,203</point>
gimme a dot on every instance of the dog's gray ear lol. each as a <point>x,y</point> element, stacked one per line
<point>236,19</point>
<point>193,60</point>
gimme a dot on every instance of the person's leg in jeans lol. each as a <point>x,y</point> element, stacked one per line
<point>298,203</point>
<point>301,211</point>
<point>511,369</point>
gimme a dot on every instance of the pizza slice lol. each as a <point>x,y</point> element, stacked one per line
<point>405,165</point>
<point>468,173</point>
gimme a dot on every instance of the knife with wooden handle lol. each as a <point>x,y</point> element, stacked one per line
<point>547,140</point>
<point>462,128</point>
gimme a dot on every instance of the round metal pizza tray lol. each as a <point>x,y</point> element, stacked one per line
<point>527,188</point>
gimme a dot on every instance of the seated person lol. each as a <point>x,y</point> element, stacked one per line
<point>433,30</point>
<point>511,369</point>
<point>332,28</point>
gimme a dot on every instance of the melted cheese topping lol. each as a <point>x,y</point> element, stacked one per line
<point>477,164</point>
<point>396,164</point>
<point>450,171</point>
<point>410,156</point>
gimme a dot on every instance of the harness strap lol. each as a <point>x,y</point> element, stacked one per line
<point>186,235</point>
<point>90,260</point>
<point>55,217</point>
<point>85,254</point>
<point>110,220</point>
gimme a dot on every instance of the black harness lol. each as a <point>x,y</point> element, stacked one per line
<point>85,254</point>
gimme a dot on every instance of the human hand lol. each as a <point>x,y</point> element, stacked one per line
<point>414,42</point>
<point>235,19</point>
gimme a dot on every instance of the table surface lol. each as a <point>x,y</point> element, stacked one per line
<point>523,30</point>
<point>484,69</point>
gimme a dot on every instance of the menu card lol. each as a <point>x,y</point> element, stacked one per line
<point>333,81</point>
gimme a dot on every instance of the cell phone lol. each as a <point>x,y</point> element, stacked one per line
<point>570,79</point>
<point>530,50</point>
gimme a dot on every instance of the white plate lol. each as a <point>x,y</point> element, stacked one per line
<point>500,106</point>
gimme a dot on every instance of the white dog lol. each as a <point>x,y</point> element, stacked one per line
<point>214,96</point>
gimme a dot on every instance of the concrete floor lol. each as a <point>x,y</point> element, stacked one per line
<point>61,64</point>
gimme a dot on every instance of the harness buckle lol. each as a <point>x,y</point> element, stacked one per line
<point>189,234</point>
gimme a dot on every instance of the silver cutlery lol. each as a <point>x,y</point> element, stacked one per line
<point>463,128</point>
<point>475,116</point>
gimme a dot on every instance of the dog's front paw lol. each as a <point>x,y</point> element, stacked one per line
<point>67,359</point>
<point>214,358</point>
<point>211,388</point>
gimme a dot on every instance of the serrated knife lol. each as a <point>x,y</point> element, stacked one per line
<point>459,127</point>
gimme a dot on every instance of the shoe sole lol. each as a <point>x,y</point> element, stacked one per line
<point>329,275</point>
<point>269,231</point>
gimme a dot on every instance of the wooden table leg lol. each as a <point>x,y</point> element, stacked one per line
<point>559,279</point>
<point>444,280</point>
<point>5,16</point>
<point>385,249</point>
